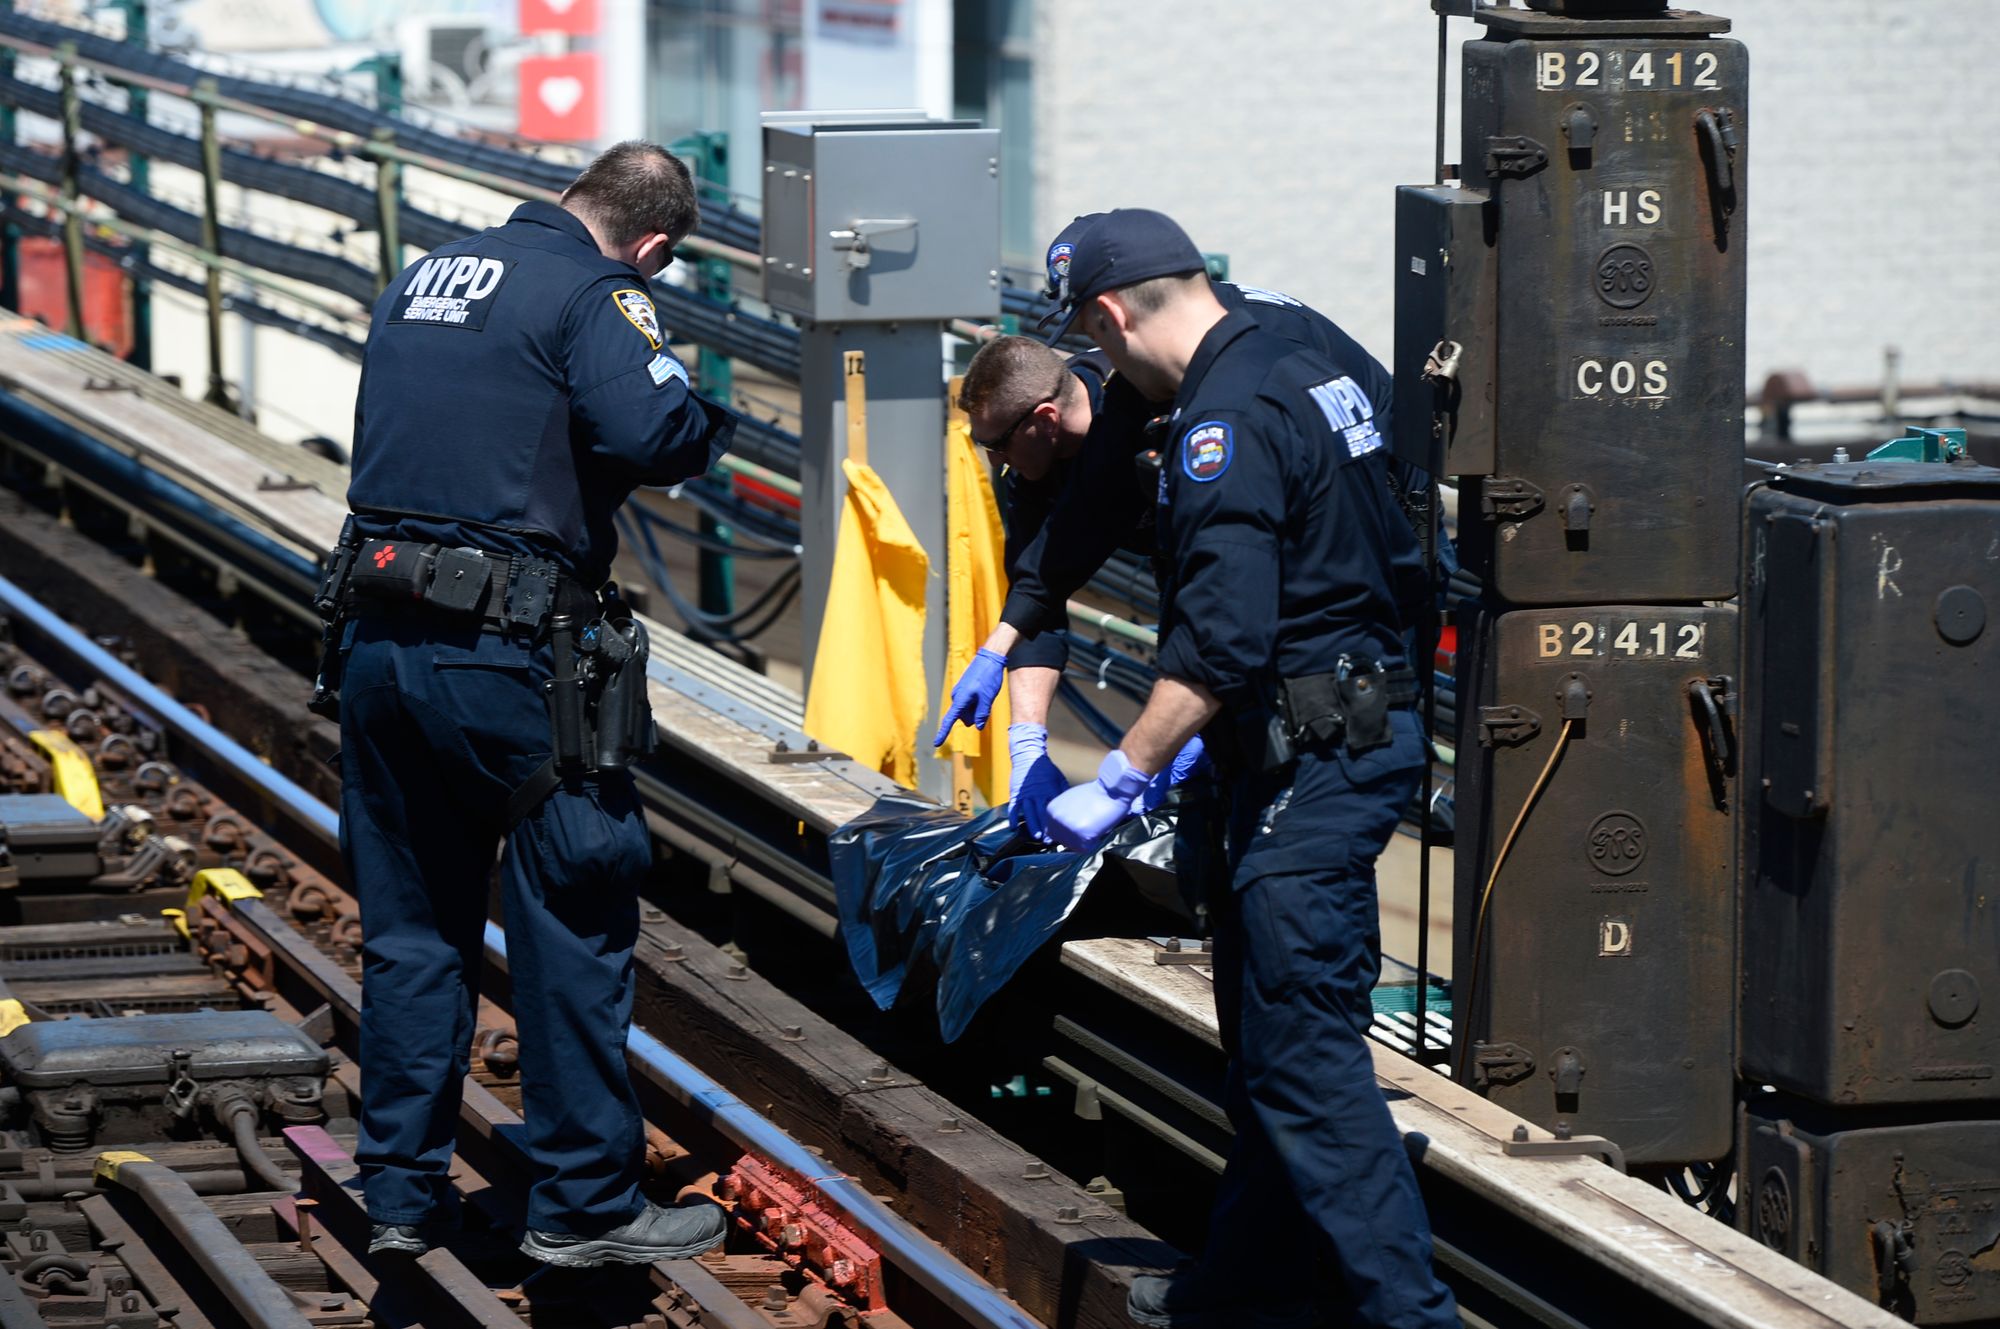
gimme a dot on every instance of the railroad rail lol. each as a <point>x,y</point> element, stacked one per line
<point>259,944</point>
<point>1533,1230</point>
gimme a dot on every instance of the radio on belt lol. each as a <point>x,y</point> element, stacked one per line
<point>1600,226</point>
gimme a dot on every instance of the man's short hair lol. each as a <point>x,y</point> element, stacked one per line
<point>1155,293</point>
<point>1010,374</point>
<point>635,188</point>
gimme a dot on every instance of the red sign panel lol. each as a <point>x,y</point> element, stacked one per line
<point>578,18</point>
<point>559,98</point>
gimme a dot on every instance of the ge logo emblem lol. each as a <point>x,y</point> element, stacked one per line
<point>1616,844</point>
<point>1624,276</point>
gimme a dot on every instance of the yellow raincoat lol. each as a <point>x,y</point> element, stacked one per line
<point>975,566</point>
<point>867,694</point>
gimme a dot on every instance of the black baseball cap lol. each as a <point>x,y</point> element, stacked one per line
<point>1120,248</point>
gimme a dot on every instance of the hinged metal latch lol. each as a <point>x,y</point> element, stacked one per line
<point>1515,155</point>
<point>854,242</point>
<point>1500,1063</point>
<point>1509,496</point>
<point>1507,724</point>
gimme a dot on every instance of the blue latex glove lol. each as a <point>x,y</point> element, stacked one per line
<point>1185,763</point>
<point>972,696</point>
<point>1081,817</point>
<point>1034,779</point>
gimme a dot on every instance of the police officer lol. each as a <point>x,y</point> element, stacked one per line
<point>516,388</point>
<point>1280,641</point>
<point>1057,426</point>
<point>1081,503</point>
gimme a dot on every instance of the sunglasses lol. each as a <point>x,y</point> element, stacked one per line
<point>1006,436</point>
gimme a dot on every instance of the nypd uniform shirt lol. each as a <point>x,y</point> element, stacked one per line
<point>1284,546</point>
<point>1103,465</point>
<point>515,389</point>
<point>1090,518</point>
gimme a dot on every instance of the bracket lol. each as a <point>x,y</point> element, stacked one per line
<point>1509,496</point>
<point>1507,724</point>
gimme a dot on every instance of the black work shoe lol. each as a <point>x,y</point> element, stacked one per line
<point>1187,1299</point>
<point>397,1239</point>
<point>656,1234</point>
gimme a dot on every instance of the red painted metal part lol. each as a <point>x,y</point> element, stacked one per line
<point>785,1214</point>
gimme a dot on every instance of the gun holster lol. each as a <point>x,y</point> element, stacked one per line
<point>328,602</point>
<point>600,720</point>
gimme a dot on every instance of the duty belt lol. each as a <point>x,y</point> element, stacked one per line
<point>1349,705</point>
<point>405,577</point>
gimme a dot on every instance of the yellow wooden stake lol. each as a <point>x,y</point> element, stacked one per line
<point>856,363</point>
<point>961,763</point>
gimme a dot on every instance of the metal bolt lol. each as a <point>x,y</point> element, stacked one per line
<point>673,953</point>
<point>1068,1213</point>
<point>792,1033</point>
<point>879,1073</point>
<point>1520,1134</point>
<point>1035,1171</point>
<point>949,1126</point>
<point>1562,1130</point>
<point>739,971</point>
<point>774,1297</point>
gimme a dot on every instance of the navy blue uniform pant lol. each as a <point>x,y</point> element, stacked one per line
<point>438,726</point>
<point>1318,1164</point>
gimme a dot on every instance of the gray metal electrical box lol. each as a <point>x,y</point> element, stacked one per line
<point>1602,994</point>
<point>1614,154</point>
<point>1871,899</point>
<point>881,216</point>
<point>1444,299</point>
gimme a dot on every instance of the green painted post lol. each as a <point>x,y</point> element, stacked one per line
<point>710,152</point>
<point>211,239</point>
<point>388,204</point>
<point>72,231</point>
<point>136,32</point>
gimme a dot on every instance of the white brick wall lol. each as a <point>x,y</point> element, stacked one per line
<point>1276,131</point>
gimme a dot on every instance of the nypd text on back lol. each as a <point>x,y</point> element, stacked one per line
<point>1349,411</point>
<point>452,291</point>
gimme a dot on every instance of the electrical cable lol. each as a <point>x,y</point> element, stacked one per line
<point>711,545</point>
<point>1486,893</point>
<point>771,602</point>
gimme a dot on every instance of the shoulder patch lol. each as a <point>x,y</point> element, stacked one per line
<point>664,367</point>
<point>1206,450</point>
<point>637,307</point>
<point>1264,297</point>
<point>1350,413</point>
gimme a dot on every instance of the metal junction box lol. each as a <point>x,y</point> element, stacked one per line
<point>45,840</point>
<point>1613,153</point>
<point>881,216</point>
<point>130,1076</point>
<point>1444,294</point>
<point>1601,998</point>
<point>1871,843</point>
<point>1906,1216</point>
